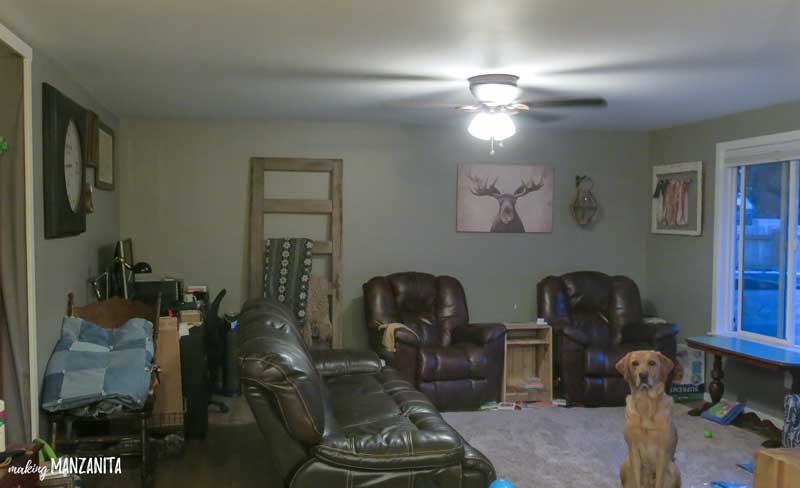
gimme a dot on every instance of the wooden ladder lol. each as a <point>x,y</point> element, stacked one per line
<point>331,207</point>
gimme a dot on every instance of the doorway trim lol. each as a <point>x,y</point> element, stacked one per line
<point>25,51</point>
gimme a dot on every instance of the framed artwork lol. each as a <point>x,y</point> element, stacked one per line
<point>504,198</point>
<point>677,196</point>
<point>106,158</point>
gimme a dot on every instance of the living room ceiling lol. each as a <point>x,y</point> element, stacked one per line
<point>657,63</point>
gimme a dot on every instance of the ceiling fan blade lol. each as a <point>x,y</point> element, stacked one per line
<point>289,73</point>
<point>567,102</point>
<point>542,117</point>
<point>425,105</point>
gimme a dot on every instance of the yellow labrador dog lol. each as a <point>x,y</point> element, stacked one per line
<point>649,431</point>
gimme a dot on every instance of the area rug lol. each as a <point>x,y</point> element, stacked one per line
<point>583,447</point>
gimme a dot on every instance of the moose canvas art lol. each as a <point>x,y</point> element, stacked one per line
<point>504,198</point>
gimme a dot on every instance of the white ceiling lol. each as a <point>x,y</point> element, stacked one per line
<point>659,63</point>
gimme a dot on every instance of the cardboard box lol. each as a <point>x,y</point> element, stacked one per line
<point>168,408</point>
<point>191,317</point>
<point>689,378</point>
<point>777,468</point>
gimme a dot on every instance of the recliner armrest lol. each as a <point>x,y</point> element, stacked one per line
<point>433,444</point>
<point>478,334</point>
<point>576,334</point>
<point>406,337</point>
<point>338,362</point>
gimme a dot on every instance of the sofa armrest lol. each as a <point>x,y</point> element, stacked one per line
<point>650,333</point>
<point>478,334</point>
<point>338,362</point>
<point>432,444</point>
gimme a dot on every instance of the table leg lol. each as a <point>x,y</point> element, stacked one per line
<point>716,389</point>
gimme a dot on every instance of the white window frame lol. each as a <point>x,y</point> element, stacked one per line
<point>730,155</point>
<point>25,51</point>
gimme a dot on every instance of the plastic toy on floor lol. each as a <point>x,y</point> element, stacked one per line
<point>501,483</point>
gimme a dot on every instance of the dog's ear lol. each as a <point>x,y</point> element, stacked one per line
<point>622,366</point>
<point>665,367</point>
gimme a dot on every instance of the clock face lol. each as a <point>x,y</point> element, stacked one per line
<point>73,166</point>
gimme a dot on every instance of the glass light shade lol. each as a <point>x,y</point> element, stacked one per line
<point>487,126</point>
<point>496,93</point>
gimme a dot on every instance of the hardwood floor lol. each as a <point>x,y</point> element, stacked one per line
<point>229,457</point>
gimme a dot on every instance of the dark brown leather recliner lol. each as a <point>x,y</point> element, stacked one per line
<point>597,319</point>
<point>457,364</point>
<point>338,419</point>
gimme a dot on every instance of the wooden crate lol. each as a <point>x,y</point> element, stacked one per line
<point>777,468</point>
<point>528,352</point>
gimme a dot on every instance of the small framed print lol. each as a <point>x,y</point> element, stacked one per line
<point>677,193</point>
<point>106,158</point>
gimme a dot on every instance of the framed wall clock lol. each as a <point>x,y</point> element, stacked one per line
<point>64,152</point>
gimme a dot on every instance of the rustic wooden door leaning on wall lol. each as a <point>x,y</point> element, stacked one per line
<point>331,207</point>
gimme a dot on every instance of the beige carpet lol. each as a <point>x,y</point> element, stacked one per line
<point>583,447</point>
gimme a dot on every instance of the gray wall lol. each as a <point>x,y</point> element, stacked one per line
<point>679,269</point>
<point>184,201</point>
<point>64,265</point>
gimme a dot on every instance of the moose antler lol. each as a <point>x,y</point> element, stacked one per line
<point>528,187</point>
<point>481,187</point>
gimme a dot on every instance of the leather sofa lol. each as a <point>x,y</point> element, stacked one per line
<point>338,418</point>
<point>458,365</point>
<point>597,319</point>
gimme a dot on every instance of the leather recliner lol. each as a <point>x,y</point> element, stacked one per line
<point>596,320</point>
<point>338,419</point>
<point>458,365</point>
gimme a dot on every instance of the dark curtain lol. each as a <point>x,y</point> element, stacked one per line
<point>13,257</point>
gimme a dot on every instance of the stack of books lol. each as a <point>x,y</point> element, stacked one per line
<point>533,383</point>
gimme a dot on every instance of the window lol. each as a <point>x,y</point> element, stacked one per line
<point>757,266</point>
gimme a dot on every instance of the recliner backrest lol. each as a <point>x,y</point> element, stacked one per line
<point>601,304</point>
<point>430,305</point>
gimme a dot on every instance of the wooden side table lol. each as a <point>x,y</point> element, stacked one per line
<point>528,353</point>
<point>777,468</point>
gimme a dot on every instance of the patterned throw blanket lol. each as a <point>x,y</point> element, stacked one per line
<point>94,370</point>
<point>287,270</point>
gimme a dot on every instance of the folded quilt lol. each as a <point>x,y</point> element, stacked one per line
<point>94,370</point>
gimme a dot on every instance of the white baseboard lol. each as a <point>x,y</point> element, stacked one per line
<point>764,416</point>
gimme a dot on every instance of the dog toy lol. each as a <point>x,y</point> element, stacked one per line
<point>501,483</point>
<point>707,434</point>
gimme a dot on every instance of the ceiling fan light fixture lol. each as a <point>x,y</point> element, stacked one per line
<point>494,89</point>
<point>496,93</point>
<point>492,126</point>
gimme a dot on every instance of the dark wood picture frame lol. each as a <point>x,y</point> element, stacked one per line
<point>99,183</point>
<point>57,111</point>
<point>92,121</point>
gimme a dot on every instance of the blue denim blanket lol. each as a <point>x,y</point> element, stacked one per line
<point>94,370</point>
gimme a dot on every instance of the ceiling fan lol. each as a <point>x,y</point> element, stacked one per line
<point>497,98</point>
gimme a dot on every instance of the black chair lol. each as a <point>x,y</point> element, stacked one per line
<point>215,329</point>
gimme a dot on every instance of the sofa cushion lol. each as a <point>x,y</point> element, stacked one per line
<point>456,362</point>
<point>383,423</point>
<point>603,361</point>
<point>338,362</point>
